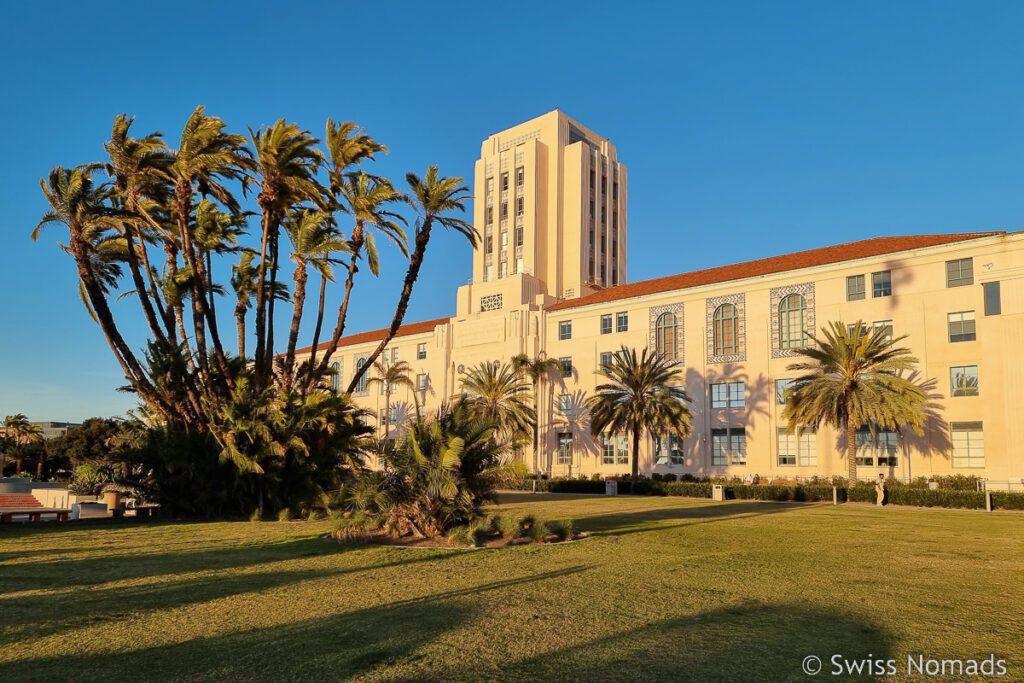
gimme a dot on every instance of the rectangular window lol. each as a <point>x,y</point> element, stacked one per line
<point>504,181</point>
<point>968,444</point>
<point>606,358</point>
<point>621,450</point>
<point>852,330</point>
<point>877,450</point>
<point>565,405</point>
<point>606,324</point>
<point>520,176</point>
<point>421,351</point>
<point>393,416</point>
<point>604,184</point>
<point>787,447</point>
<point>520,206</point>
<point>993,304</point>
<point>961,326</point>
<point>394,355</point>
<point>490,215</point>
<point>960,272</point>
<point>615,190</point>
<point>737,394</point>
<point>729,446</point>
<point>565,330</point>
<point>855,288</point>
<point>565,366</point>
<point>963,380</point>
<point>668,450</point>
<point>728,395</point>
<point>885,326</point>
<point>421,382</point>
<point>564,448</point>
<point>490,185</point>
<point>781,385</point>
<point>592,177</point>
<point>504,211</point>
<point>622,321</point>
<point>719,396</point>
<point>519,237</point>
<point>881,283</point>
<point>608,450</point>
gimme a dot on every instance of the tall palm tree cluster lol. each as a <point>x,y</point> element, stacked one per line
<point>160,225</point>
<point>17,433</point>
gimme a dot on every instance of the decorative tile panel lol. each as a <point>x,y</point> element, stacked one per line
<point>740,302</point>
<point>653,314</point>
<point>777,295</point>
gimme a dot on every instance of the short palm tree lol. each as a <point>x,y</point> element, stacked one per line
<point>389,376</point>
<point>20,431</point>
<point>854,376</point>
<point>536,369</point>
<point>640,396</point>
<point>498,393</point>
<point>434,197</point>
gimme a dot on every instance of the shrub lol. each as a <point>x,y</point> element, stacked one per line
<point>255,516</point>
<point>537,531</point>
<point>508,527</point>
<point>1004,500</point>
<point>460,536</point>
<point>315,515</point>
<point>668,477</point>
<point>561,529</point>
<point>284,514</point>
<point>656,476</point>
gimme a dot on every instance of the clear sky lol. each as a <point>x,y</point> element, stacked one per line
<point>749,129</point>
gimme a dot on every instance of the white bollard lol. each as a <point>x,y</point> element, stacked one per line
<point>835,496</point>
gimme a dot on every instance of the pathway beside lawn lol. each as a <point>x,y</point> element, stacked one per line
<point>668,589</point>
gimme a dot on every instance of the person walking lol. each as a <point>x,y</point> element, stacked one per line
<point>880,490</point>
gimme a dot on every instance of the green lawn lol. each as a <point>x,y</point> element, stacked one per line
<point>665,589</point>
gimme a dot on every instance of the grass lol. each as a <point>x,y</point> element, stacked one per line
<point>666,589</point>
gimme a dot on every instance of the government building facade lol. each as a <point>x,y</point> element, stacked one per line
<point>550,277</point>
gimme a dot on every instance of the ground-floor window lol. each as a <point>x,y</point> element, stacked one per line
<point>668,450</point>
<point>621,450</point>
<point>564,448</point>
<point>798,449</point>
<point>729,446</point>
<point>608,450</point>
<point>968,444</point>
<point>878,449</point>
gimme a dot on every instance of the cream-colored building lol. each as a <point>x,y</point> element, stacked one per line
<point>549,276</point>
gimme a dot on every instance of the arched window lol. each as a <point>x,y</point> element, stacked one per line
<point>725,322</point>
<point>665,335</point>
<point>791,322</point>
<point>336,377</point>
<point>361,386</point>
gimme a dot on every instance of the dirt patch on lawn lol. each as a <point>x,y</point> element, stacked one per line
<point>441,542</point>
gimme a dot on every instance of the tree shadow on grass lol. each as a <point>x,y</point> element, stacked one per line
<point>124,564</point>
<point>35,615</point>
<point>619,523</point>
<point>741,643</point>
<point>338,646</point>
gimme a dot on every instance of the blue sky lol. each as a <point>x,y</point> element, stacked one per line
<point>749,129</point>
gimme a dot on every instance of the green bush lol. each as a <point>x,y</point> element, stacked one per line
<point>562,529</point>
<point>1004,500</point>
<point>284,515</point>
<point>537,530</point>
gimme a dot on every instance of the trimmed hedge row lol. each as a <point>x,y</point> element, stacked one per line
<point>974,500</point>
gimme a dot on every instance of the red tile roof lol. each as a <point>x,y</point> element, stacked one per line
<point>377,335</point>
<point>775,264</point>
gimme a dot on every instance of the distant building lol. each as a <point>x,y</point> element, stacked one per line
<point>549,276</point>
<point>52,430</point>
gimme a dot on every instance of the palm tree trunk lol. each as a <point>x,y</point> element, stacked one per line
<point>413,271</point>
<point>268,224</point>
<point>851,452</point>
<point>319,322</point>
<point>39,471</point>
<point>298,303</point>
<point>636,458</point>
<point>140,285</point>
<point>240,326</point>
<point>356,244</point>
<point>536,422</point>
<point>268,352</point>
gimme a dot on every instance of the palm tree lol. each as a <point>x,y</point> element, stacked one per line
<point>434,197</point>
<point>498,393</point>
<point>640,396</point>
<point>313,240</point>
<point>854,376</point>
<point>243,281</point>
<point>287,162</point>
<point>536,369</point>
<point>78,203</point>
<point>206,156</point>
<point>390,376</point>
<point>367,200</point>
<point>20,431</point>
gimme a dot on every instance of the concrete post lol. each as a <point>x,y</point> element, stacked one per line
<point>988,501</point>
<point>835,496</point>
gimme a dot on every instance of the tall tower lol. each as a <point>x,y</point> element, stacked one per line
<point>550,208</point>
